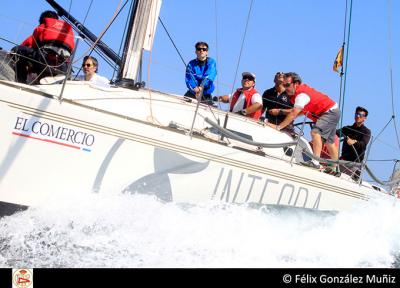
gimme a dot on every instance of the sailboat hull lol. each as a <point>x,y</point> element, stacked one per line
<point>114,140</point>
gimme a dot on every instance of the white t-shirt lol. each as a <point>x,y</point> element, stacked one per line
<point>239,105</point>
<point>96,79</point>
<point>303,99</point>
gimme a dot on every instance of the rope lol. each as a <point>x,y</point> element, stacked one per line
<point>151,116</point>
<point>391,68</point>
<point>116,13</point>
<point>346,63</point>
<point>383,183</point>
<point>231,135</point>
<point>216,48</point>
<point>172,41</point>
<point>77,42</point>
<point>183,61</point>
<point>124,33</point>
<point>341,72</point>
<point>239,58</point>
<point>241,48</point>
<point>391,118</point>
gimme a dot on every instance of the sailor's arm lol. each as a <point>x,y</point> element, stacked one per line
<point>278,112</point>
<point>252,108</point>
<point>223,98</point>
<point>362,143</point>
<point>292,114</point>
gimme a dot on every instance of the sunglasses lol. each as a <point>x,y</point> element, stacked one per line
<point>87,65</point>
<point>202,49</point>
<point>248,78</point>
<point>359,115</point>
<point>279,73</point>
<point>287,85</point>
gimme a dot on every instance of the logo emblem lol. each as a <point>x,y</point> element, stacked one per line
<point>22,278</point>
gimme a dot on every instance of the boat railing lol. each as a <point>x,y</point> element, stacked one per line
<point>298,138</point>
<point>234,136</point>
<point>197,106</point>
<point>354,166</point>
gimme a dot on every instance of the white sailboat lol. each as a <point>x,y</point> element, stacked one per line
<point>75,136</point>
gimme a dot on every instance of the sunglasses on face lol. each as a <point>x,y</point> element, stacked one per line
<point>87,65</point>
<point>359,115</point>
<point>202,49</point>
<point>287,85</point>
<point>248,78</point>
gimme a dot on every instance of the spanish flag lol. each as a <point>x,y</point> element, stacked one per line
<point>339,60</point>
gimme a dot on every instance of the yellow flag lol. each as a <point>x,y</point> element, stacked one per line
<point>339,60</point>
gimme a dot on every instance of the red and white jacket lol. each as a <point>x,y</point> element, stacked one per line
<point>248,94</point>
<point>52,30</point>
<point>319,102</point>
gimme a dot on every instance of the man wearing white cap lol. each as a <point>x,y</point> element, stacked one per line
<point>246,100</point>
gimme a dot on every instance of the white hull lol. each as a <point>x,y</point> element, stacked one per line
<point>112,140</point>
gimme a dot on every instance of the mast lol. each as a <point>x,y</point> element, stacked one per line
<point>141,30</point>
<point>85,33</point>
<point>142,26</point>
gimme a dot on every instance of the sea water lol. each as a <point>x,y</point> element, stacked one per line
<point>99,230</point>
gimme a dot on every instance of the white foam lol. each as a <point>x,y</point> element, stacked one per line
<point>139,231</point>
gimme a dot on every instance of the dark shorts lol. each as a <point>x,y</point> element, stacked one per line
<point>326,125</point>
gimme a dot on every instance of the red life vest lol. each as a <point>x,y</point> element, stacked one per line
<point>52,30</point>
<point>319,102</point>
<point>248,94</point>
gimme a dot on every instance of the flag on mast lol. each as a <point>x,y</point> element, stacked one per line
<point>339,60</point>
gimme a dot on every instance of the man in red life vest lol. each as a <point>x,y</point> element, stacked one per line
<point>47,51</point>
<point>246,100</point>
<point>318,107</point>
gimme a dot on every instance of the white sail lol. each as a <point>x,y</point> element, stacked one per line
<point>142,35</point>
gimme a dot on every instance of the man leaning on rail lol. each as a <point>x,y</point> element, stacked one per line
<point>320,109</point>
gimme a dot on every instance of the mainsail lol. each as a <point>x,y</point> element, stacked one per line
<point>142,30</point>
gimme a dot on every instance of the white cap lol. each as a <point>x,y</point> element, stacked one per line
<point>249,74</point>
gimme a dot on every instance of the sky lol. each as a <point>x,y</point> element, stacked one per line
<point>301,36</point>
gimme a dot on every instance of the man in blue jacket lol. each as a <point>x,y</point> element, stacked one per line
<point>201,73</point>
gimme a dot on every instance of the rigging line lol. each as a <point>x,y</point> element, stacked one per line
<point>170,38</point>
<point>388,145</point>
<point>92,46</point>
<point>389,2</point>
<point>103,32</point>
<point>241,48</point>
<point>341,73</point>
<point>183,61</point>
<point>9,41</point>
<point>176,48</point>
<point>152,16</point>
<point>346,61</point>
<point>383,129</point>
<point>123,34</point>
<point>238,62</point>
<point>216,48</point>
<point>83,23</point>
<point>384,160</point>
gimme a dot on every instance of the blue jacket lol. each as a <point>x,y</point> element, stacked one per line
<point>195,74</point>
